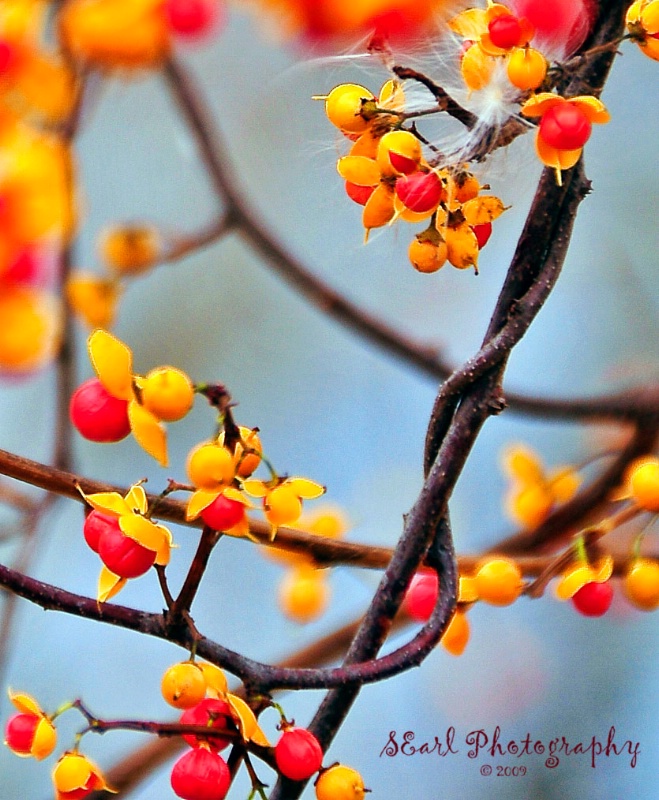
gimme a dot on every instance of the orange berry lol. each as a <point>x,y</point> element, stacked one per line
<point>641,584</point>
<point>644,484</point>
<point>426,256</point>
<point>526,68</point>
<point>499,581</point>
<point>130,249</point>
<point>167,393</point>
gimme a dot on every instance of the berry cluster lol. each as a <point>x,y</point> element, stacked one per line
<point>37,92</point>
<point>386,172</point>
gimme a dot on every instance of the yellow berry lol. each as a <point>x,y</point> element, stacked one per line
<point>183,685</point>
<point>456,636</point>
<point>340,783</point>
<point>216,682</point>
<point>93,299</point>
<point>303,594</point>
<point>644,484</point>
<point>531,505</point>
<point>463,186</point>
<point>282,505</point>
<point>167,393</point>
<point>526,68</point>
<point>641,584</point>
<point>344,107</point>
<point>130,249</point>
<point>210,466</point>
<point>499,581</point>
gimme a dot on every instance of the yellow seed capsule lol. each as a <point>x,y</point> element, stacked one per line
<point>303,594</point>
<point>426,256</point>
<point>340,783</point>
<point>530,505</point>
<point>344,105</point>
<point>210,466</point>
<point>476,67</point>
<point>183,685</point>
<point>282,506</point>
<point>641,584</point>
<point>130,249</point>
<point>526,68</point>
<point>499,581</point>
<point>399,152</point>
<point>645,485</point>
<point>93,299</point>
<point>167,393</point>
<point>30,328</point>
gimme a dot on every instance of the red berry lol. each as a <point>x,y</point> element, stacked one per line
<point>223,513</point>
<point>218,713</point>
<point>201,775</point>
<point>19,733</point>
<point>421,596</point>
<point>565,127</point>
<point>359,194</point>
<point>559,22</point>
<point>593,599</point>
<point>192,18</point>
<point>123,555</point>
<point>420,192</point>
<point>95,527</point>
<point>8,56</point>
<point>97,415</point>
<point>483,233</point>
<point>505,31</point>
<point>298,754</point>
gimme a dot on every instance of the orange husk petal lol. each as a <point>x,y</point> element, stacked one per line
<point>650,48</point>
<point>109,585</point>
<point>148,432</point>
<point>243,715</point>
<point>476,67</point>
<point>200,500</point>
<point>366,145</point>
<point>25,703</point>
<point>216,681</point>
<point>255,487</point>
<point>593,109</point>
<point>108,502</point>
<point>603,569</point>
<point>522,464</point>
<point>241,530</point>
<point>306,489</point>
<point>143,531</point>
<point>539,103</point>
<point>488,46</point>
<point>470,24</point>
<point>45,739</point>
<point>557,159</point>
<point>634,12</point>
<point>577,575</point>
<point>379,208</point>
<point>71,772</point>
<point>480,210</point>
<point>563,483</point>
<point>404,213</point>
<point>236,495</point>
<point>136,498</point>
<point>113,363</point>
<point>391,96</point>
<point>359,170</point>
<point>650,18</point>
